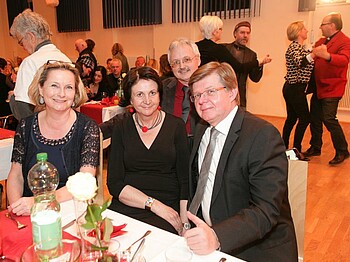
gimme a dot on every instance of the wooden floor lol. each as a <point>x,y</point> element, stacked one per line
<point>327,225</point>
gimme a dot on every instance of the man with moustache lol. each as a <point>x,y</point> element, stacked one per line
<point>184,59</point>
<point>243,54</point>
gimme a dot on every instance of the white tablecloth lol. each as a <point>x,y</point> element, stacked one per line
<point>156,243</point>
<point>111,111</point>
<point>5,157</point>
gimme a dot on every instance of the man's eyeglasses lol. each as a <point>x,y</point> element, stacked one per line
<point>20,42</point>
<point>212,92</point>
<point>185,60</point>
<point>325,23</point>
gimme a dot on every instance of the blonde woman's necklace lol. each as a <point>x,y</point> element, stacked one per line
<point>156,122</point>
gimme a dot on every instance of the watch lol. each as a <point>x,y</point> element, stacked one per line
<point>149,203</point>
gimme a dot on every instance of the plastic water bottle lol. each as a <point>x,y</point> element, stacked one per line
<point>45,214</point>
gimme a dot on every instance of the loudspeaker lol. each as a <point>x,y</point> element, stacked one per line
<point>306,5</point>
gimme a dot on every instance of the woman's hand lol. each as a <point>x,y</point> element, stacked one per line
<point>22,206</point>
<point>168,214</point>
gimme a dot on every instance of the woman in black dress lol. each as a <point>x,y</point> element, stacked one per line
<point>148,163</point>
<point>99,88</point>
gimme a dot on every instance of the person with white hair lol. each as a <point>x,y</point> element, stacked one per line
<point>33,33</point>
<point>211,29</point>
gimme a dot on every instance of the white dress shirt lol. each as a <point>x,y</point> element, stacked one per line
<point>223,127</point>
<point>29,67</point>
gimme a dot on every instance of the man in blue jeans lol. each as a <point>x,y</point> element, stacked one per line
<point>331,56</point>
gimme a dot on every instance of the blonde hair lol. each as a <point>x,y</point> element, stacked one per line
<point>117,48</point>
<point>153,63</point>
<point>41,77</point>
<point>209,24</point>
<point>293,30</point>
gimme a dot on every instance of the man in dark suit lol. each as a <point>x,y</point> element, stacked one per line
<point>243,54</point>
<point>331,57</point>
<point>184,58</point>
<point>244,208</point>
<point>115,77</point>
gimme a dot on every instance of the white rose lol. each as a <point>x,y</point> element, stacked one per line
<point>82,186</point>
<point>123,75</point>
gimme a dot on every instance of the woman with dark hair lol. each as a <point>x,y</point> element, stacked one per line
<point>165,70</point>
<point>148,163</point>
<point>99,86</point>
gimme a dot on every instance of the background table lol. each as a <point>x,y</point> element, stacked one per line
<point>100,113</point>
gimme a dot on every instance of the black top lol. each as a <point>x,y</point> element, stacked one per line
<point>211,51</point>
<point>79,147</point>
<point>160,171</point>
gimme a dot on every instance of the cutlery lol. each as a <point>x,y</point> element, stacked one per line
<point>138,250</point>
<point>68,224</point>
<point>19,225</point>
<point>222,259</point>
<point>145,235</point>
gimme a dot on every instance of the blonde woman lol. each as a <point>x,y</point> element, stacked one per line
<point>298,75</point>
<point>71,139</point>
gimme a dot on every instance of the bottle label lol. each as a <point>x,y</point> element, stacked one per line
<point>46,228</point>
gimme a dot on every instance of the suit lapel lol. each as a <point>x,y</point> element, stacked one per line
<point>231,139</point>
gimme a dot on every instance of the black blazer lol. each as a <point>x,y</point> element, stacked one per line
<point>167,102</point>
<point>249,209</point>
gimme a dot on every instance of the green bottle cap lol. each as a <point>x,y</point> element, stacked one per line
<point>41,156</point>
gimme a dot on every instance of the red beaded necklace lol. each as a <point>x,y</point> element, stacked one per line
<point>155,124</point>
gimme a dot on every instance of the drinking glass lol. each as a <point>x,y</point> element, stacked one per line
<point>68,251</point>
<point>178,254</point>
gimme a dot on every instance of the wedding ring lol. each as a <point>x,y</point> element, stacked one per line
<point>186,226</point>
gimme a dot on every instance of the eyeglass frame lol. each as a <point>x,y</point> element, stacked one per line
<point>328,23</point>
<point>211,92</point>
<point>20,42</point>
<point>185,60</point>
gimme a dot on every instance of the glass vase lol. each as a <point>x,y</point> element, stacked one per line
<point>93,247</point>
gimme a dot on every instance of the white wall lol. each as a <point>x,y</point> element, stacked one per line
<point>268,37</point>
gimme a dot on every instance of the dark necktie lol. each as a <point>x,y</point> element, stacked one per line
<point>204,173</point>
<point>185,104</point>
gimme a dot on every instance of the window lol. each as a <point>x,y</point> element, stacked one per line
<point>14,8</point>
<point>192,10</point>
<point>127,13</point>
<point>73,16</point>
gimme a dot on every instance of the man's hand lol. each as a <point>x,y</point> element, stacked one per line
<point>321,51</point>
<point>267,59</point>
<point>202,240</point>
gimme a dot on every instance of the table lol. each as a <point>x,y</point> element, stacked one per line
<point>100,113</point>
<point>155,245</point>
